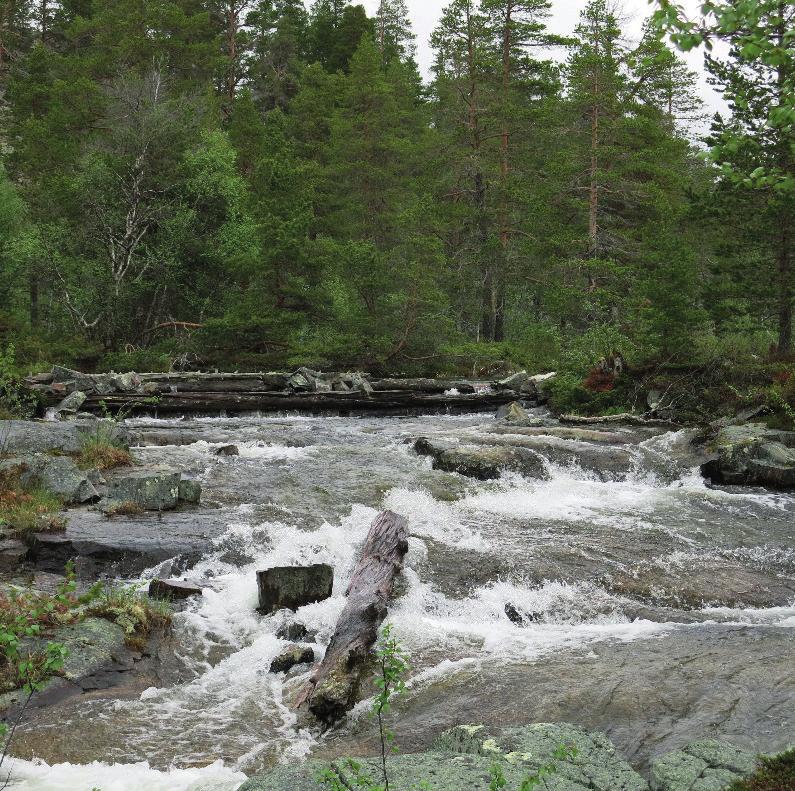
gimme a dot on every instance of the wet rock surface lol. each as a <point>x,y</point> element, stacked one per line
<point>753,454</point>
<point>26,437</point>
<point>650,696</point>
<point>292,587</point>
<point>126,545</point>
<point>291,656</point>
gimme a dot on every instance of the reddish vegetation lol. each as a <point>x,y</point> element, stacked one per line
<point>599,381</point>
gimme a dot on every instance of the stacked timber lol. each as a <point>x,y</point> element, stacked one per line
<point>303,390</point>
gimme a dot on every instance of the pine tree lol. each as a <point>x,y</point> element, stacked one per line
<point>394,34</point>
<point>755,147</point>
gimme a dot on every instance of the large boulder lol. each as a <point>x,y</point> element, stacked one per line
<point>463,759</point>
<point>752,454</point>
<point>150,488</point>
<point>292,587</point>
<point>99,384</point>
<point>483,463</point>
<point>512,413</point>
<point>169,590</point>
<point>70,405</point>
<point>24,437</point>
<point>60,476</point>
<point>701,766</point>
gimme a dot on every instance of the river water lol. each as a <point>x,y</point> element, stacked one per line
<point>595,566</point>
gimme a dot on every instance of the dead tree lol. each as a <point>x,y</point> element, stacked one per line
<point>334,686</point>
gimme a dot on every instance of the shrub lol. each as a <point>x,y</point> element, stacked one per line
<point>126,606</point>
<point>101,450</point>
<point>15,400</point>
<point>774,774</point>
<point>26,508</point>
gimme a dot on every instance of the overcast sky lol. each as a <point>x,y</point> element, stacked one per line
<point>425,14</point>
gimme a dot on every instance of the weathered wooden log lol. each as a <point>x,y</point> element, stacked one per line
<point>423,385</point>
<point>333,688</point>
<point>624,417</point>
<point>381,402</point>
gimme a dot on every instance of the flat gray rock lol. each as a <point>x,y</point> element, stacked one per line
<point>26,437</point>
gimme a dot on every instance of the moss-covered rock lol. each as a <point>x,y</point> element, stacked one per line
<point>701,766</point>
<point>753,454</point>
<point>463,759</point>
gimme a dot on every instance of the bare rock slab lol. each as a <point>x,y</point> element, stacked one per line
<point>292,587</point>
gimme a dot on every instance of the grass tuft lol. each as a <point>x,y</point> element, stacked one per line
<point>27,509</point>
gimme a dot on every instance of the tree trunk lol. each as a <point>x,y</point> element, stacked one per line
<point>334,686</point>
<point>785,293</point>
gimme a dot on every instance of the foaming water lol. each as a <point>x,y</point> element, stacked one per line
<point>39,776</point>
<point>498,572</point>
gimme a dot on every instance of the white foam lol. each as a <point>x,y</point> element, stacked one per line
<point>39,776</point>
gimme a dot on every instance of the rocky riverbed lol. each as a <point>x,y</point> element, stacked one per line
<point>556,573</point>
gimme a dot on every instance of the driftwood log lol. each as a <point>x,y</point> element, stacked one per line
<point>625,417</point>
<point>333,688</point>
<point>379,402</point>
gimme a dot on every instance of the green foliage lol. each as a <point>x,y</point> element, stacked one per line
<point>270,187</point>
<point>26,507</point>
<point>15,400</point>
<point>101,450</point>
<point>776,773</point>
<point>126,606</point>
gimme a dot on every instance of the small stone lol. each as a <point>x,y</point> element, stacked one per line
<point>513,614</point>
<point>227,450</point>
<point>290,657</point>
<point>292,631</point>
<point>292,587</point>
<point>512,413</point>
<point>173,589</point>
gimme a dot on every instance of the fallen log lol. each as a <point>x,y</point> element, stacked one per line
<point>333,688</point>
<point>381,402</point>
<point>624,417</point>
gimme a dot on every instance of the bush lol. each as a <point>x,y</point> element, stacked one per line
<point>100,450</point>
<point>15,400</point>
<point>774,774</point>
<point>25,508</point>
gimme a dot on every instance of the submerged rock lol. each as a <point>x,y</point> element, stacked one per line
<point>227,450</point>
<point>483,463</point>
<point>292,587</point>
<point>512,413</point>
<point>753,454</point>
<point>701,766</point>
<point>463,757</point>
<point>292,655</point>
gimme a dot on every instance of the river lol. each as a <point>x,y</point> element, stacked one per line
<point>580,597</point>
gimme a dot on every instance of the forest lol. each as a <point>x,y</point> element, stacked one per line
<point>251,184</point>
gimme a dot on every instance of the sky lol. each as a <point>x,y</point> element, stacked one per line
<point>565,13</point>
